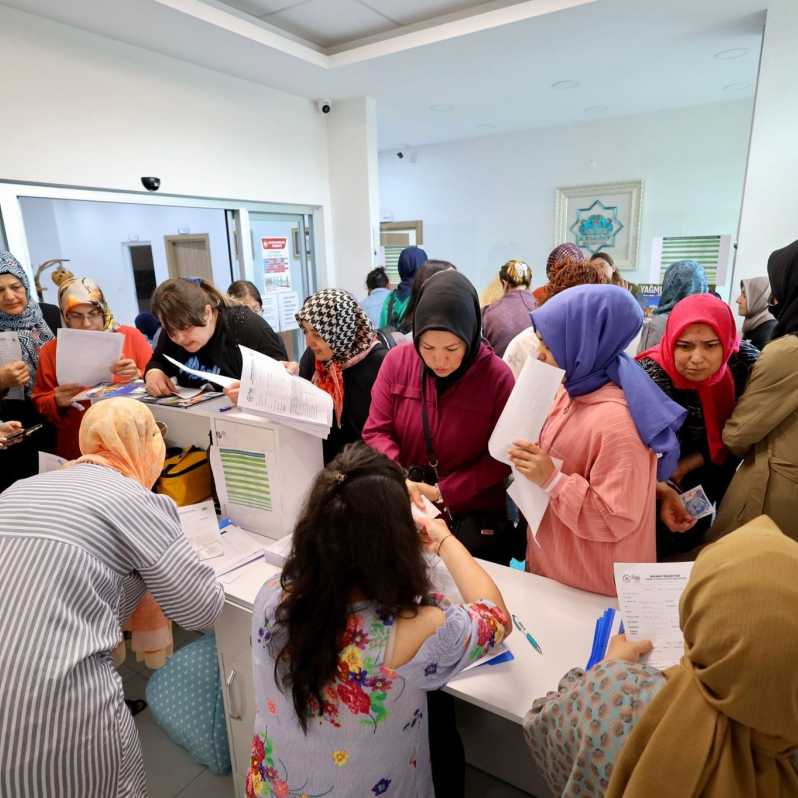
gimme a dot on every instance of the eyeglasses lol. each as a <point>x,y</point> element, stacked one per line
<point>92,315</point>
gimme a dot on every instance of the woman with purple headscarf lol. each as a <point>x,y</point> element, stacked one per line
<point>613,429</point>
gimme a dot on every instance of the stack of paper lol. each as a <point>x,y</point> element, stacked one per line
<point>522,418</point>
<point>277,553</point>
<point>649,595</point>
<point>239,549</point>
<point>85,357</point>
<point>202,529</point>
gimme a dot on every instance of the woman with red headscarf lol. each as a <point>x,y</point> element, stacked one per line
<point>702,365</point>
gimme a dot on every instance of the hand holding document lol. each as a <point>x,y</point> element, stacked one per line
<point>649,595</point>
<point>11,352</point>
<point>202,529</point>
<point>530,498</point>
<point>85,357</point>
<point>268,389</point>
<point>527,407</point>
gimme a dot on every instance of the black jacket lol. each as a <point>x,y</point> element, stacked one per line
<point>761,335</point>
<point>221,355</point>
<point>358,380</point>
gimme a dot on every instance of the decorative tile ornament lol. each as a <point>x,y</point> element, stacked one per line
<point>604,217</point>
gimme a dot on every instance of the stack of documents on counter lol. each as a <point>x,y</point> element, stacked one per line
<point>267,389</point>
<point>224,550</point>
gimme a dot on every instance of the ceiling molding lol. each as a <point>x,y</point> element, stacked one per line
<point>479,18</point>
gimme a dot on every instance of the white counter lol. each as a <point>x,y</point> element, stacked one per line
<point>562,619</point>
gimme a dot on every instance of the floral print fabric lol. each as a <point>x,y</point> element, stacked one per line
<point>369,738</point>
<point>576,734</point>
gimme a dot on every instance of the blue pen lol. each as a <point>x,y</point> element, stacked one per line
<point>521,628</point>
<point>225,409</point>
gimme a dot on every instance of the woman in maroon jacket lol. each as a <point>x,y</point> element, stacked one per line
<point>465,387</point>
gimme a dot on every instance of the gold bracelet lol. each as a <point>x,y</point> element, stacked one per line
<point>438,550</point>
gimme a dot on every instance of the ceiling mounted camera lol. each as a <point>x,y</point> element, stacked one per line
<point>324,106</point>
<point>151,183</point>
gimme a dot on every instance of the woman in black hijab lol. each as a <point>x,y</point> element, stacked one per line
<point>764,425</point>
<point>451,384</point>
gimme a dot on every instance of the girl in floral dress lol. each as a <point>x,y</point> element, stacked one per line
<point>344,652</point>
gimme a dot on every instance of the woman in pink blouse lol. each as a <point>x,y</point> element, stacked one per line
<point>608,426</point>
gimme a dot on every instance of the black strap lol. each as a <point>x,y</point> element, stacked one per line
<point>432,459</point>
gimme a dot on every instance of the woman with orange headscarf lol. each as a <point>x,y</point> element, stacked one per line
<point>78,548</point>
<point>721,723</point>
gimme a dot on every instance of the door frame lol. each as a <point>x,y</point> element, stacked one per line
<point>241,267</point>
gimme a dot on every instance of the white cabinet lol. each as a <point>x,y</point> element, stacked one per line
<point>238,688</point>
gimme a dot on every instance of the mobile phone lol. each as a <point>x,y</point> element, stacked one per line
<point>24,433</point>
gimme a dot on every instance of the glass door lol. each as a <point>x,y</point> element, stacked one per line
<point>282,257</point>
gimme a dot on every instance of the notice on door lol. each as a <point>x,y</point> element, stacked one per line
<point>276,263</point>
<point>288,304</point>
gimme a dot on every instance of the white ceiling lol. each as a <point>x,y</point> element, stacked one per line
<point>331,23</point>
<point>627,56</point>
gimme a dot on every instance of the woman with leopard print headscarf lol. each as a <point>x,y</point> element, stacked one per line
<point>342,358</point>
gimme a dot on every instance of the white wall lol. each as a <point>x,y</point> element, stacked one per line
<point>93,235</point>
<point>486,200</point>
<point>768,220</point>
<point>83,110</point>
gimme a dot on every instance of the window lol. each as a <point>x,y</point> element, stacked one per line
<point>394,237</point>
<point>712,252</point>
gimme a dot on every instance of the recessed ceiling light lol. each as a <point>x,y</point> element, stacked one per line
<point>731,55</point>
<point>486,126</point>
<point>441,108</point>
<point>596,109</point>
<point>737,87</point>
<point>565,84</point>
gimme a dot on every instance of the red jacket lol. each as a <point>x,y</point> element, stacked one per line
<point>67,420</point>
<point>461,422</point>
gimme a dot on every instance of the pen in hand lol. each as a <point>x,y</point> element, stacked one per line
<point>521,628</point>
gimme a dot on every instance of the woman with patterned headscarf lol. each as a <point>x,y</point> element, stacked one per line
<point>343,358</point>
<point>83,307</point>
<point>21,319</point>
<point>505,318</point>
<point>682,279</point>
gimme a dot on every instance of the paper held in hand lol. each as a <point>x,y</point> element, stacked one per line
<point>269,390</point>
<point>649,595</point>
<point>526,409</point>
<point>11,352</point>
<point>85,357</point>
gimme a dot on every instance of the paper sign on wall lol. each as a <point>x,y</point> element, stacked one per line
<point>276,263</point>
<point>271,312</point>
<point>288,306</point>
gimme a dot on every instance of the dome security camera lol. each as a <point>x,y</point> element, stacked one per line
<point>400,155</point>
<point>324,106</point>
<point>151,183</point>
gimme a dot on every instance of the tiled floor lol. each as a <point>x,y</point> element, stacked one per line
<point>171,772</point>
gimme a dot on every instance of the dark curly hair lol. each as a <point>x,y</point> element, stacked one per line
<point>574,272</point>
<point>355,533</point>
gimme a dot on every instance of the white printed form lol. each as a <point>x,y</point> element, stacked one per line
<point>202,530</point>
<point>266,387</point>
<point>649,595</point>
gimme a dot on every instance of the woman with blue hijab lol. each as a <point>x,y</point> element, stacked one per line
<point>614,431</point>
<point>393,311</point>
<point>682,279</point>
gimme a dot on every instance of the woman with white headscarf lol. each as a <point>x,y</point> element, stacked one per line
<point>753,305</point>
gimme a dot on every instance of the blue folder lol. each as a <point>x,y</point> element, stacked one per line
<point>601,636</point>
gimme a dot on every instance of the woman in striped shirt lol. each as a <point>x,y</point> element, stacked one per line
<point>78,548</point>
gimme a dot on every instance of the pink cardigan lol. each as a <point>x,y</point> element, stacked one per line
<point>602,508</point>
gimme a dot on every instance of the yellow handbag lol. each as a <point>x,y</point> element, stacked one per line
<point>186,477</point>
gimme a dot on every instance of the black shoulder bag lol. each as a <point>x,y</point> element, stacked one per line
<point>487,534</point>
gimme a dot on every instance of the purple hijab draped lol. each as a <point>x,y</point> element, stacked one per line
<point>587,328</point>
